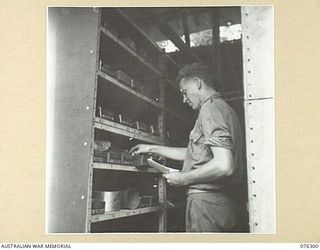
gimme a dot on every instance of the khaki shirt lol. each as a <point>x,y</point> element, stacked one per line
<point>217,125</point>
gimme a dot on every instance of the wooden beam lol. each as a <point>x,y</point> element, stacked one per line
<point>174,37</point>
<point>186,29</point>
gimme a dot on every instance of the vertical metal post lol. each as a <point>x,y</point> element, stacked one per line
<point>90,177</point>
<point>258,68</point>
<point>162,127</point>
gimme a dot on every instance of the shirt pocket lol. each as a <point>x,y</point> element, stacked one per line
<point>196,145</point>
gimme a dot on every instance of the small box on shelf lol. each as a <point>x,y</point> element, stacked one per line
<point>147,201</point>
<point>127,121</point>
<point>142,126</point>
<point>98,207</point>
<point>127,158</point>
<point>106,114</point>
<point>154,130</point>
<point>140,160</point>
<point>114,156</point>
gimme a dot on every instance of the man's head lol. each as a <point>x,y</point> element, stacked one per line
<point>196,82</point>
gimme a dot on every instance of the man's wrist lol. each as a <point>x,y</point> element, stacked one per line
<point>186,178</point>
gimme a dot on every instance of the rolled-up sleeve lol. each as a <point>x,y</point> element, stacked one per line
<point>215,128</point>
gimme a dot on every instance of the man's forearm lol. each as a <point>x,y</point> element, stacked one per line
<point>210,171</point>
<point>174,153</point>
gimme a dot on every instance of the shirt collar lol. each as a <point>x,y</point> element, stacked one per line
<point>213,96</point>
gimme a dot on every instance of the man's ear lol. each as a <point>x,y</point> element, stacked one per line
<point>198,82</point>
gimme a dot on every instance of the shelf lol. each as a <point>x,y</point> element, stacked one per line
<point>123,213</point>
<point>110,166</point>
<point>128,89</point>
<point>124,130</point>
<point>130,51</point>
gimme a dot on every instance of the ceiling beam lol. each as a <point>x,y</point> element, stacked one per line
<point>174,37</point>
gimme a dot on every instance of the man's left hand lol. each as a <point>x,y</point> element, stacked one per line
<point>175,179</point>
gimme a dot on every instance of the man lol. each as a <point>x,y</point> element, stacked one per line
<point>213,157</point>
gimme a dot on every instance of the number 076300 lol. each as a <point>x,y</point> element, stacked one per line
<point>309,246</point>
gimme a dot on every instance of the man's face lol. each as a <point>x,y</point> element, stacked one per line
<point>190,91</point>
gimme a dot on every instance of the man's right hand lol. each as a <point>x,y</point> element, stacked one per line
<point>141,149</point>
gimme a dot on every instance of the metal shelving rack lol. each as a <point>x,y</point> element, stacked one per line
<point>75,45</point>
<point>123,130</point>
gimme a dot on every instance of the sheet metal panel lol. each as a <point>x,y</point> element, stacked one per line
<point>258,67</point>
<point>258,51</point>
<point>261,165</point>
<point>72,34</point>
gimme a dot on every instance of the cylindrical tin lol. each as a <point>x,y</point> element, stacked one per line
<point>130,198</point>
<point>111,198</point>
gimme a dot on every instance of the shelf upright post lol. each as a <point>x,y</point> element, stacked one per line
<point>162,188</point>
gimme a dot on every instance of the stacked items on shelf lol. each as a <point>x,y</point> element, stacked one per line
<point>129,198</point>
<point>98,207</point>
<point>147,201</point>
<point>105,153</point>
<point>124,78</point>
<point>127,158</point>
<point>100,149</point>
<point>127,121</point>
<point>106,114</point>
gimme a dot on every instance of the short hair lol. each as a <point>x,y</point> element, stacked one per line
<point>201,71</point>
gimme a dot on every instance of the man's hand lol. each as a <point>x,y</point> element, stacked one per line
<point>140,149</point>
<point>175,179</point>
